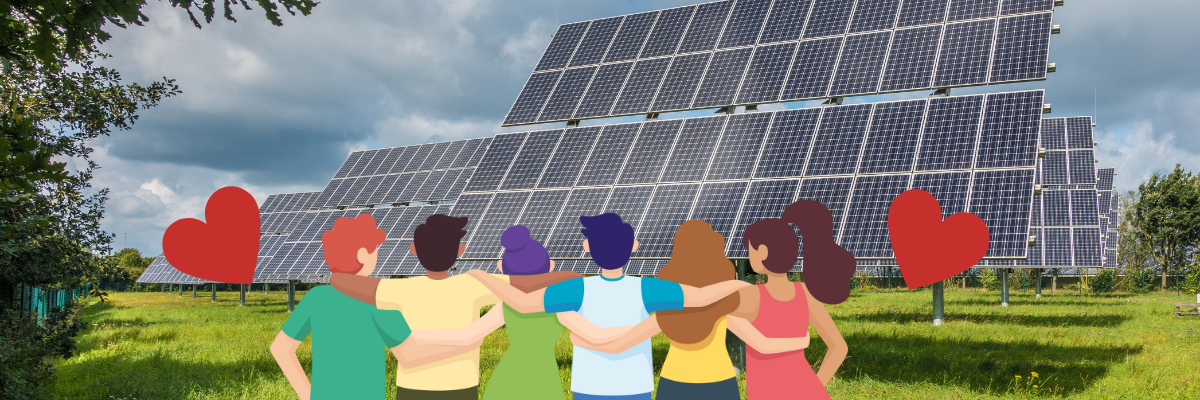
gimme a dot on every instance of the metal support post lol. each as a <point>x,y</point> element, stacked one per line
<point>242,295</point>
<point>193,290</point>
<point>214,292</point>
<point>265,286</point>
<point>1038,275</point>
<point>939,304</point>
<point>291,295</point>
<point>180,290</point>
<point>1004,287</point>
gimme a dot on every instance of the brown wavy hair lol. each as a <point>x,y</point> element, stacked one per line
<point>697,259</point>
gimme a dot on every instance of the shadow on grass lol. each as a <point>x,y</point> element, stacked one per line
<point>1014,300</point>
<point>983,366</point>
<point>1102,320</point>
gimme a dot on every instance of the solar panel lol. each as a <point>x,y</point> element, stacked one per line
<point>782,50</point>
<point>649,152</point>
<point>1070,158</point>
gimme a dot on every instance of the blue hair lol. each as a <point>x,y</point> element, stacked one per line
<point>609,239</point>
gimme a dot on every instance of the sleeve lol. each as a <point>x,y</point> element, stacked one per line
<point>659,295</point>
<point>392,327</point>
<point>564,296</point>
<point>389,295</point>
<point>299,324</point>
<point>485,297</point>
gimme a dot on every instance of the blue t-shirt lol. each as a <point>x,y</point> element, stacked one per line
<point>607,303</point>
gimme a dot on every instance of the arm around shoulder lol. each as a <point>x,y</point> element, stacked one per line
<point>360,288</point>
<point>700,297</point>
<point>520,301</point>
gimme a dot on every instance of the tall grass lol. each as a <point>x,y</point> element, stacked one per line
<point>162,346</point>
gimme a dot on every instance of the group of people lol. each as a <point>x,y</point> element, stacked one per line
<point>432,323</point>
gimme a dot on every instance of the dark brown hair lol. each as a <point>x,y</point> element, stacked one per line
<point>697,259</point>
<point>437,241</point>
<point>828,267</point>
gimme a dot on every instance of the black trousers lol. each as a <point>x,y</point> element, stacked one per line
<point>672,390</point>
<point>471,393</point>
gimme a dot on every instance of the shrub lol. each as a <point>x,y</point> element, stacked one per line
<point>1191,283</point>
<point>989,279</point>
<point>1137,281</point>
<point>1102,282</point>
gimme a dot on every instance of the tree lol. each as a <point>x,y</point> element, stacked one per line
<point>1167,218</point>
<point>53,101</point>
<point>127,265</point>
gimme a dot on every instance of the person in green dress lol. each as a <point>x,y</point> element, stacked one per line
<point>528,369</point>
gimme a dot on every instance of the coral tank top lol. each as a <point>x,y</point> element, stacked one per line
<point>781,375</point>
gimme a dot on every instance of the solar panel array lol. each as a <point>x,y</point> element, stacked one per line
<point>975,153</point>
<point>1070,156</point>
<point>743,52</point>
<point>1108,203</point>
<point>159,271</point>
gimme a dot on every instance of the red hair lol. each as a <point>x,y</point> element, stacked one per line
<point>347,236</point>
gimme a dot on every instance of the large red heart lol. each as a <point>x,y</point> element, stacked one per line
<point>225,249</point>
<point>927,248</point>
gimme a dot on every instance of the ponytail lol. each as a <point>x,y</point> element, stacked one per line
<point>829,266</point>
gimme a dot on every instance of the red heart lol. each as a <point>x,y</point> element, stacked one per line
<point>927,248</point>
<point>223,250</point>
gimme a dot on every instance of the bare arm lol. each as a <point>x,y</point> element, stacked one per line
<point>588,331</point>
<point>700,297</point>
<point>360,288</point>
<point>747,304</point>
<point>284,350</point>
<point>410,354</point>
<point>639,333</point>
<point>463,336</point>
<point>819,317</point>
<point>515,298</point>
<point>766,345</point>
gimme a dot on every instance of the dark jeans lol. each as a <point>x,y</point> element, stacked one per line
<point>723,390</point>
<point>471,393</point>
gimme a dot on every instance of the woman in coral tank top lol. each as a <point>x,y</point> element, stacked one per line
<point>783,309</point>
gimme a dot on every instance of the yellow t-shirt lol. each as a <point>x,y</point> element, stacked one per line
<point>704,362</point>
<point>449,303</point>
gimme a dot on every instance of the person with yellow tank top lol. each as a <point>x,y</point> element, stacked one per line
<point>697,365</point>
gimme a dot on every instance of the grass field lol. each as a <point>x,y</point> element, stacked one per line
<point>161,346</point>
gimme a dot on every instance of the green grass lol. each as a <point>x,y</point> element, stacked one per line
<point>161,346</point>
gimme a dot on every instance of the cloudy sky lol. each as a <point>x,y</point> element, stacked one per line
<point>277,109</point>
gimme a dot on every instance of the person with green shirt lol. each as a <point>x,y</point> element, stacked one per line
<point>346,360</point>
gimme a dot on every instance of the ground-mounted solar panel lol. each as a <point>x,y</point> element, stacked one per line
<point>1070,156</point>
<point>749,52</point>
<point>975,153</point>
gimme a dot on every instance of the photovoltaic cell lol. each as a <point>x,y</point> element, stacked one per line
<point>567,240</point>
<point>562,46</point>
<point>1010,130</point>
<point>501,214</point>
<point>608,155</point>
<point>828,17</point>
<point>768,68</point>
<point>495,162</point>
<point>1082,167</point>
<point>667,32</point>
<point>839,140</point>
<point>949,188</point>
<point>971,9</point>
<point>346,166</point>
<point>363,161</point>
<point>451,154</point>
<point>471,206</point>
<point>431,184</point>
<point>873,15</point>
<point>1022,48</point>
<point>966,48</point>
<point>630,38</point>
<point>861,63</point>
<point>1088,246</point>
<point>468,152</point>
<point>418,158</point>
<point>1105,179</point>
<point>1057,210</point>
<point>786,146</point>
<point>630,203</point>
<point>564,167</point>
<point>595,43</point>
<point>401,161</point>
<point>1054,168</point>
<point>705,27</point>
<point>603,92</point>
<point>1058,246</point>
<point>1025,6</point>
<point>812,68</point>
<point>436,152</point>
<point>892,142</point>
<point>414,186</point>
<point>650,152</point>
<point>764,199</point>
<point>541,212</point>
<point>739,147</point>
<point>786,21</point>
<point>1083,202</point>
<point>668,208</point>
<point>1004,208</point>
<point>641,87</point>
<point>533,96</point>
<point>744,23</point>
<point>693,150</point>
<point>460,183</point>
<point>721,81</point>
<point>921,12</point>
<point>950,132</point>
<point>565,98</point>
<point>531,160</point>
<point>910,63</point>
<point>718,204</point>
<point>1079,132</point>
<point>679,87</point>
<point>867,215</point>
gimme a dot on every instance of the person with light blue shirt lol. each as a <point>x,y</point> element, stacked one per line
<point>600,309</point>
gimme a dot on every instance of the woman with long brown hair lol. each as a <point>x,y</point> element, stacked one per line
<point>697,365</point>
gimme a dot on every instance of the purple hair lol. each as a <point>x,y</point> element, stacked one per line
<point>610,239</point>
<point>522,254</point>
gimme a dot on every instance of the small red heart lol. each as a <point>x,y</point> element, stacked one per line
<point>927,248</point>
<point>225,249</point>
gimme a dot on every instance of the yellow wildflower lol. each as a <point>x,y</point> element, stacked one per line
<point>1035,386</point>
<point>1034,374</point>
<point>1018,376</point>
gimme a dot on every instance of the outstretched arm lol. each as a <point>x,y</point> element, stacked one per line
<point>410,354</point>
<point>515,298</point>
<point>819,317</point>
<point>700,297</point>
<point>360,288</point>
<point>588,331</point>
<point>284,350</point>
<point>637,334</point>
<point>474,333</point>
<point>766,345</point>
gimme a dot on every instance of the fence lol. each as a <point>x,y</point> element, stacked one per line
<point>39,302</point>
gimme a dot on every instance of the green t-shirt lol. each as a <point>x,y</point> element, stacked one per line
<point>347,338</point>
